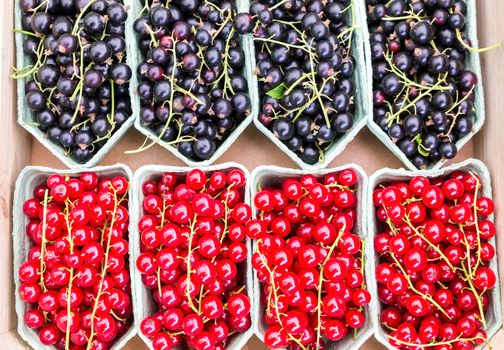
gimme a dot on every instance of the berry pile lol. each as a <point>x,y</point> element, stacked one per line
<point>309,261</point>
<point>76,278</point>
<point>305,68</point>
<point>433,275</point>
<point>77,81</point>
<point>193,252</point>
<point>423,92</point>
<point>192,90</point>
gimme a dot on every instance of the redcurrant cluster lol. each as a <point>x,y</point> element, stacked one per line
<point>193,254</point>
<point>309,261</point>
<point>76,279</point>
<point>433,275</point>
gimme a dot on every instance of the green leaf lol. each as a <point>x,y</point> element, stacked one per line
<point>277,92</point>
<point>422,150</point>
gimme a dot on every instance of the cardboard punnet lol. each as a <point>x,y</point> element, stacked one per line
<point>264,176</point>
<point>28,179</point>
<point>494,312</point>
<point>245,43</point>
<point>145,305</point>
<point>472,63</point>
<point>362,106</point>
<point>26,118</point>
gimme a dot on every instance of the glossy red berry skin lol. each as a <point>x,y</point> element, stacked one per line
<point>432,271</point>
<point>307,243</point>
<point>194,254</point>
<point>74,230</point>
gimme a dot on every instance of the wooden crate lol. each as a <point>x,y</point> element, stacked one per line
<point>18,149</point>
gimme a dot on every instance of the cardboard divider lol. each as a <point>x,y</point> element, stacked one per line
<point>362,98</point>
<point>244,41</point>
<point>268,175</point>
<point>28,179</point>
<point>145,305</point>
<point>472,63</point>
<point>494,313</point>
<point>26,118</point>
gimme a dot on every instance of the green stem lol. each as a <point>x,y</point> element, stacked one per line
<point>43,245</point>
<point>416,291</point>
<point>475,49</point>
<point>70,284</point>
<point>79,17</point>
<point>321,282</point>
<point>170,112</point>
<point>104,267</point>
<point>188,266</point>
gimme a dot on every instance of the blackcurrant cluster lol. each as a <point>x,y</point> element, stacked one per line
<point>305,68</point>
<point>423,92</point>
<point>192,90</point>
<point>77,80</point>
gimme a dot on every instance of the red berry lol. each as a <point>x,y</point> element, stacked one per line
<point>162,341</point>
<point>275,338</point>
<point>196,179</point>
<point>192,325</point>
<point>485,206</point>
<point>348,177</point>
<point>354,318</point>
<point>335,330</point>
<point>295,322</point>
<point>391,196</point>
<point>417,184</point>
<point>484,278</point>
<point>212,307</point>
<point>49,334</point>
<point>415,259</point>
<point>390,317</point>
<point>34,318</point>
<point>432,197</point>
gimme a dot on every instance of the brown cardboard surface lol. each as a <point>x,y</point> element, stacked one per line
<point>17,149</point>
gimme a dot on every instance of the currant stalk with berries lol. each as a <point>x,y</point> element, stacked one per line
<point>308,260</point>
<point>423,89</point>
<point>305,69</point>
<point>76,81</point>
<point>76,278</point>
<point>192,88</point>
<point>434,253</point>
<point>193,252</point>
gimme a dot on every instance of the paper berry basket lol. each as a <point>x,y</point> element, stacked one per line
<point>494,313</point>
<point>28,179</point>
<point>472,64</point>
<point>266,175</point>
<point>362,95</point>
<point>145,305</point>
<point>26,118</point>
<point>245,43</point>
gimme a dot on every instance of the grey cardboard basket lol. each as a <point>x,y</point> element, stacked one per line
<point>362,106</point>
<point>245,43</point>
<point>267,175</point>
<point>472,64</point>
<point>26,118</point>
<point>145,305</point>
<point>494,313</point>
<point>28,179</point>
